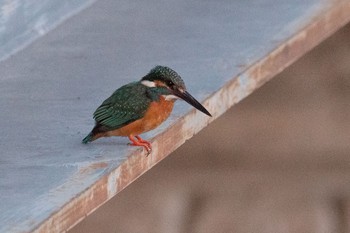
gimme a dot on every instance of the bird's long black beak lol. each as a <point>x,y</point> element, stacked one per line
<point>191,100</point>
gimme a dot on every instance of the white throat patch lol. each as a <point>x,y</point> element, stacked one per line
<point>148,83</point>
<point>170,97</point>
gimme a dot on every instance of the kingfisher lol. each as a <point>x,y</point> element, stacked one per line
<point>141,106</point>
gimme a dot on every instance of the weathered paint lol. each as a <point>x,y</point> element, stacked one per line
<point>96,172</point>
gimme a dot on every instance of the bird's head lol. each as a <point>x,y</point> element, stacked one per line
<point>164,77</point>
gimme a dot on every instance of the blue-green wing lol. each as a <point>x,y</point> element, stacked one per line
<point>125,105</point>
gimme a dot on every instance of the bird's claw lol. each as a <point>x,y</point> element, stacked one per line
<point>147,147</point>
<point>140,142</point>
<point>149,150</point>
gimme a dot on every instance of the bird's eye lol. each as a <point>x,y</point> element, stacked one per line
<point>170,84</point>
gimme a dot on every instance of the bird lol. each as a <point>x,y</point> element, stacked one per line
<point>141,106</point>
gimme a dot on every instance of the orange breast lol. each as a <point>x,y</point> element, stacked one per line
<point>155,115</point>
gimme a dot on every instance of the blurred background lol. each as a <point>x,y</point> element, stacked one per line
<point>279,161</point>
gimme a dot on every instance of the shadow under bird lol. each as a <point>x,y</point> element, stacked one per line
<point>141,106</point>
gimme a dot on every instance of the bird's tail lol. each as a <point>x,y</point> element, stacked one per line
<point>94,134</point>
<point>88,138</point>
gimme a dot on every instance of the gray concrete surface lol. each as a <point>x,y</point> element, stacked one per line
<point>279,161</point>
<point>22,22</point>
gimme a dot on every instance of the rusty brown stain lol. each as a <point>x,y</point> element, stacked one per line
<point>259,73</point>
<point>132,168</point>
<point>78,208</point>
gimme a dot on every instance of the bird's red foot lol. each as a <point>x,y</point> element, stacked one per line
<point>141,142</point>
